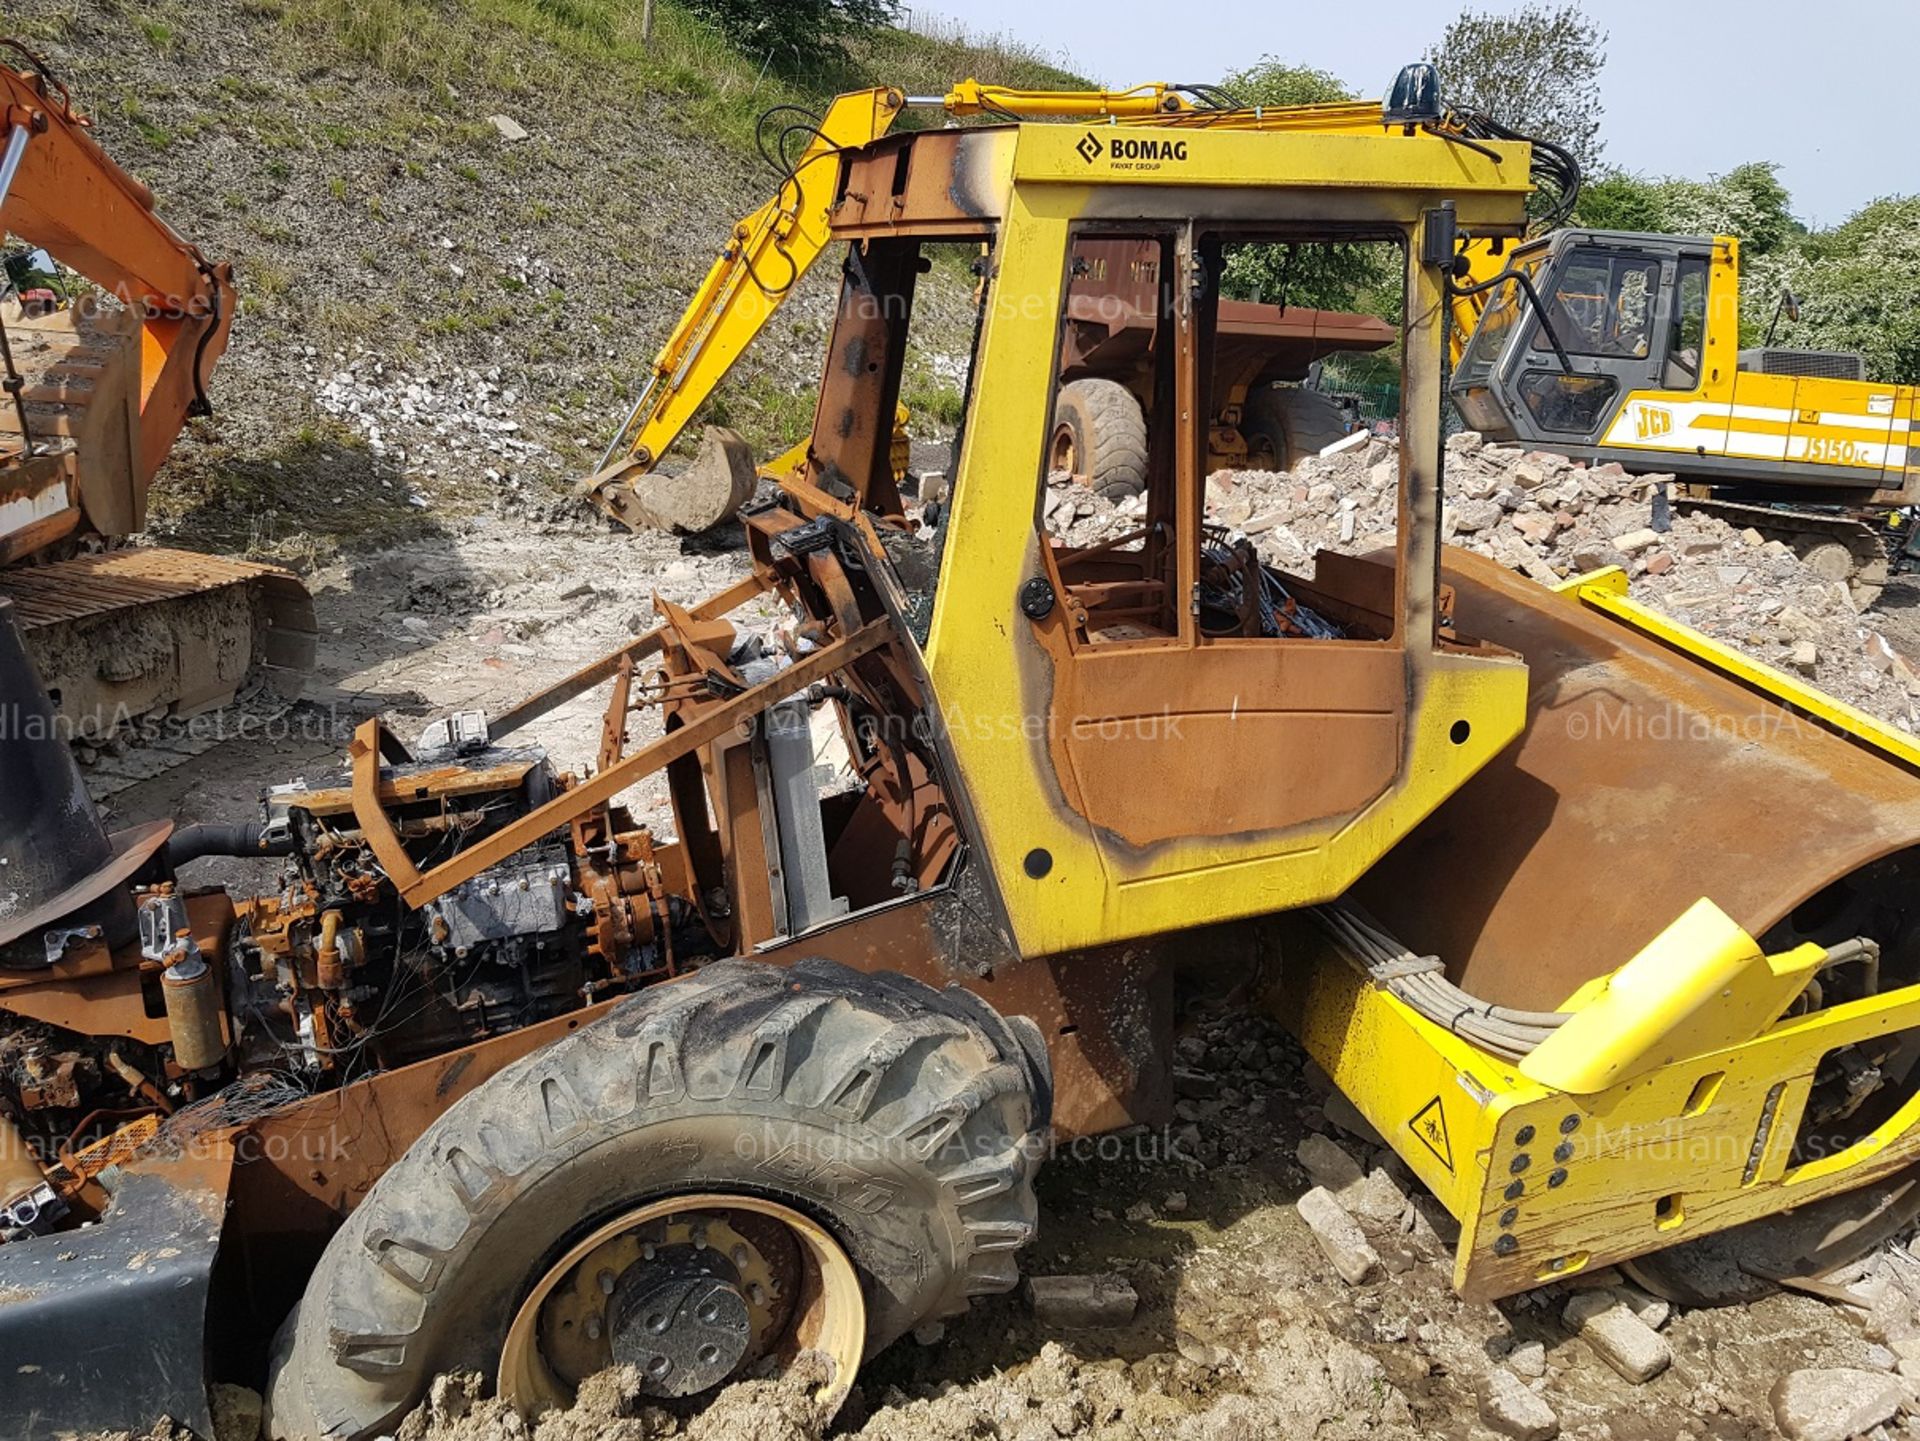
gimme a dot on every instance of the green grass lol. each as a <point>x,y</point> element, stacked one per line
<point>436,44</point>
<point>158,136</point>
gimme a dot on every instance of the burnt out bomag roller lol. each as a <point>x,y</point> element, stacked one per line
<point>1606,929</point>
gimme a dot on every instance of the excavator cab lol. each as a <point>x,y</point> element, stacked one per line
<point>1609,346</point>
<point>1617,315</point>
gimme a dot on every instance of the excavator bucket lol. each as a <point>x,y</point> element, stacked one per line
<point>708,492</point>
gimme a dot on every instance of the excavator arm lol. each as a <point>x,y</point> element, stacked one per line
<point>95,393</point>
<point>60,190</point>
<point>765,258</point>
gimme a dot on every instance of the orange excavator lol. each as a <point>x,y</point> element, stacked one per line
<point>97,382</point>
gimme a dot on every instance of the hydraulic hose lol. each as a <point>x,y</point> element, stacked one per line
<point>1420,982</point>
<point>244,838</point>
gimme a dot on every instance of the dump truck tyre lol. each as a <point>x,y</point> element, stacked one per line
<point>1291,424</point>
<point>1100,435</point>
<point>907,1122</point>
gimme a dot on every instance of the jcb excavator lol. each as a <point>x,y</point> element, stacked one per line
<point>498,1076</point>
<point>95,391</point>
<point>1633,355</point>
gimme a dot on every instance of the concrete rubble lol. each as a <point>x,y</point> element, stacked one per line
<point>1510,1408</point>
<point>1550,519</point>
<point>1339,1235</point>
<point>1835,1404</point>
<point>1618,1336</point>
<point>1077,1302</point>
<point>462,417</point>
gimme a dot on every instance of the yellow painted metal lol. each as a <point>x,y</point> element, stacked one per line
<point>1858,430</point>
<point>1663,1110</point>
<point>1546,1183</point>
<point>1276,157</point>
<point>1861,433</point>
<point>769,251</point>
<point>765,256</point>
<point>1606,591</point>
<point>1700,985</point>
<point>992,676</point>
<point>971,97</point>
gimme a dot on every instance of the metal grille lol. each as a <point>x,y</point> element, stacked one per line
<point>1825,364</point>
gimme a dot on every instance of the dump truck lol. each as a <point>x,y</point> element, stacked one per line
<point>498,1076</point>
<point>98,380</point>
<point>1633,355</point>
<point>1264,417</point>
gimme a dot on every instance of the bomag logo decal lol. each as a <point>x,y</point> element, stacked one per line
<point>1131,152</point>
<point>1650,421</point>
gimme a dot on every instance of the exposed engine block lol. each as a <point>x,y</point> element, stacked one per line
<point>336,966</point>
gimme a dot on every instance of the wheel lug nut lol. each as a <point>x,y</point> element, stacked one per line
<point>593,1328</point>
<point>605,1280</point>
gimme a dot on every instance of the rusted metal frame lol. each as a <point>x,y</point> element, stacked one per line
<point>1189,435</point>
<point>613,726</point>
<point>714,607</point>
<point>860,391</point>
<point>417,888</point>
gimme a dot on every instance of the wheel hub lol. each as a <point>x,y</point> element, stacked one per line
<point>584,1316</point>
<point>690,1290</point>
<point>683,1325</point>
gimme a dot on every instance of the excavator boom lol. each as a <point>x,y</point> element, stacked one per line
<point>69,197</point>
<point>766,256</point>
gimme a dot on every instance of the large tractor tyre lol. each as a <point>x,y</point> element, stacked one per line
<point>1100,438</point>
<point>1284,424</point>
<point>749,1163</point>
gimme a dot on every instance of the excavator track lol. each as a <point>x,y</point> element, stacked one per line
<point>1836,546</point>
<point>154,656</point>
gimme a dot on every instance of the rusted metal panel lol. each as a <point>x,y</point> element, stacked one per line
<point>1107,1016</point>
<point>1643,781</point>
<point>933,182</point>
<point>95,584</point>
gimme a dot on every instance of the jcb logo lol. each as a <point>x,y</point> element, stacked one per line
<point>1652,420</point>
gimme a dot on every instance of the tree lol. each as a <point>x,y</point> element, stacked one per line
<point>794,35</point>
<point>1317,276</point>
<point>1536,69</point>
<point>1271,81</point>
<point>1748,201</point>
<point>1615,200</point>
<point>1859,289</point>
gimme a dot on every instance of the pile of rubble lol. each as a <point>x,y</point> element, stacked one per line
<point>1545,516</point>
<point>415,418</point>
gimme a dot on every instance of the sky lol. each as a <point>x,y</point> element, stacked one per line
<point>1690,88</point>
